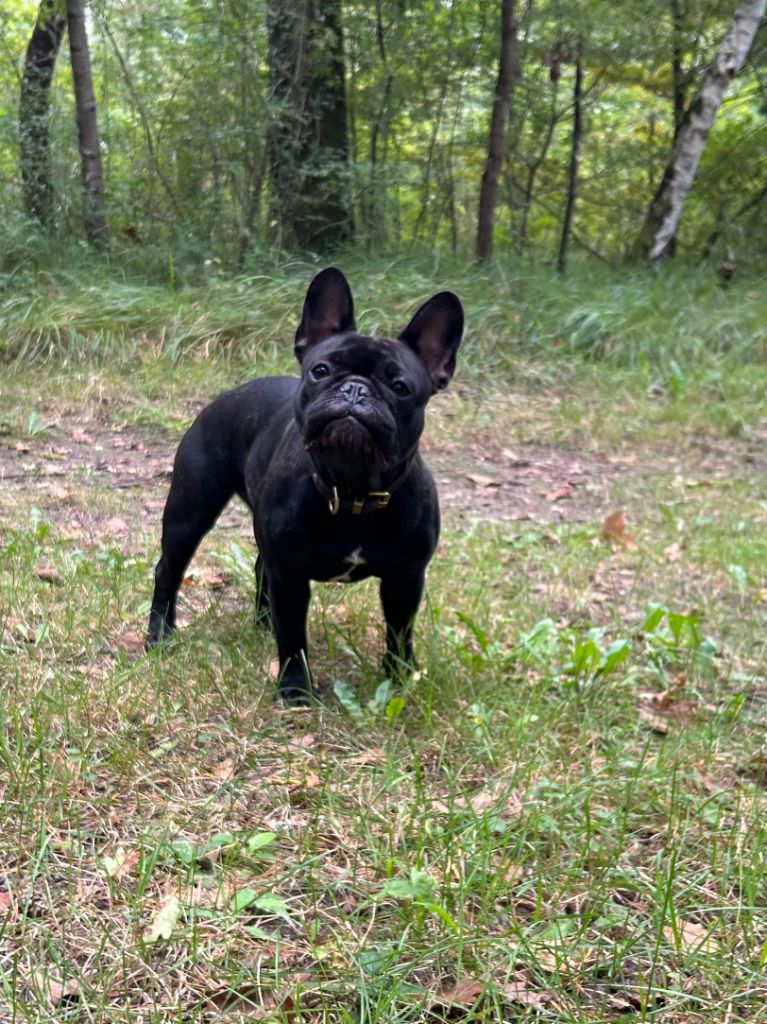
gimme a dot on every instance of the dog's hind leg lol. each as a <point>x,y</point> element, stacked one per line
<point>197,496</point>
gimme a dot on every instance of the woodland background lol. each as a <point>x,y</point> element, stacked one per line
<point>231,129</point>
<point>560,817</point>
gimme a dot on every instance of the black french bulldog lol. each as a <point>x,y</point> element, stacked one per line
<point>329,465</point>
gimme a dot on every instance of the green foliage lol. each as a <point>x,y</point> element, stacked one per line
<point>185,108</point>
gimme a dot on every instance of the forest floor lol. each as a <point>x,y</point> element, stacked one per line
<point>559,818</point>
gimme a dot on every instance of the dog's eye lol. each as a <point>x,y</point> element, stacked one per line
<point>399,387</point>
<point>320,370</point>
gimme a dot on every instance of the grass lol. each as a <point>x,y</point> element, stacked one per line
<point>560,819</point>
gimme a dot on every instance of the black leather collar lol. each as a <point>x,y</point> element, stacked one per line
<point>372,501</point>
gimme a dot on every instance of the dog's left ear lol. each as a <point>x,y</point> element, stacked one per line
<point>434,334</point>
<point>328,309</point>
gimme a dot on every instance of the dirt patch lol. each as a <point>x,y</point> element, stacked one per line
<point>98,478</point>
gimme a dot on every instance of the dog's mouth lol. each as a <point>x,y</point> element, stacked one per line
<point>346,439</point>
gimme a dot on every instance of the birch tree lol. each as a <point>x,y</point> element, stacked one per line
<point>656,238</point>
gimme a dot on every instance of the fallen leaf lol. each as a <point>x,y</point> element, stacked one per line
<point>164,920</point>
<point>691,937</point>
<point>673,552</point>
<point>464,993</point>
<point>56,992</point>
<point>123,862</point>
<point>115,525</point>
<point>483,481</point>
<point>614,528</point>
<point>224,769</point>
<point>205,578</point>
<point>653,721</point>
<point>519,992</point>
<point>131,641</point>
<point>624,1003</point>
<point>8,909</point>
<point>244,999</point>
<point>667,696</point>
<point>513,873</point>
<point>373,755</point>
<point>48,574</point>
<point>565,491</point>
<point>305,741</point>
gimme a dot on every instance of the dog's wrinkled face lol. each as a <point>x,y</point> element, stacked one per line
<point>362,401</point>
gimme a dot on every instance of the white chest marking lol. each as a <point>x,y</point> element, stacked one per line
<point>354,561</point>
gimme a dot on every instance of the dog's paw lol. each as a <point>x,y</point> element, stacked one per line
<point>295,697</point>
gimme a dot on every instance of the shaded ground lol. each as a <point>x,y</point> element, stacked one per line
<point>76,467</point>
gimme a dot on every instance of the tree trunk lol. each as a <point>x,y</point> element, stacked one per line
<point>495,147</point>
<point>677,69</point>
<point>535,166</point>
<point>575,154</point>
<point>657,235</point>
<point>308,145</point>
<point>375,230</point>
<point>34,110</point>
<point>87,129</point>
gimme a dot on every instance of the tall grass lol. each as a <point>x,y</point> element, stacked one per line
<point>679,320</point>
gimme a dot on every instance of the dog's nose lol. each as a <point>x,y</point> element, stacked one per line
<point>355,391</point>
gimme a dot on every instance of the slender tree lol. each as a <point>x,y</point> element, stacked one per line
<point>34,110</point>
<point>575,155</point>
<point>656,238</point>
<point>496,143</point>
<point>87,128</point>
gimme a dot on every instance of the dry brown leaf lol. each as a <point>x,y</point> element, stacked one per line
<point>8,908</point>
<point>123,862</point>
<point>673,552</point>
<point>224,769</point>
<point>565,491</point>
<point>653,721</point>
<point>55,992</point>
<point>667,696</point>
<point>624,1003</point>
<point>372,756</point>
<point>245,999</point>
<point>305,741</point>
<point>520,992</point>
<point>205,578</point>
<point>131,641</point>
<point>464,993</point>
<point>483,481</point>
<point>495,794</point>
<point>692,937</point>
<point>614,528</point>
<point>48,573</point>
<point>513,873</point>
<point>115,525</point>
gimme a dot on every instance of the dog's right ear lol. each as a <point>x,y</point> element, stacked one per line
<point>328,309</point>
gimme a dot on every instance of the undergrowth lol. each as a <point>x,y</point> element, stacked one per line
<point>559,818</point>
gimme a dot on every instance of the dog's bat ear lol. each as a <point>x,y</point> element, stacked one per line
<point>328,309</point>
<point>434,334</point>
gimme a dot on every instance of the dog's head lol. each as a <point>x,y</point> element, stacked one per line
<point>362,399</point>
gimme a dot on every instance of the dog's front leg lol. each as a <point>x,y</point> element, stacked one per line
<point>288,606</point>
<point>400,598</point>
